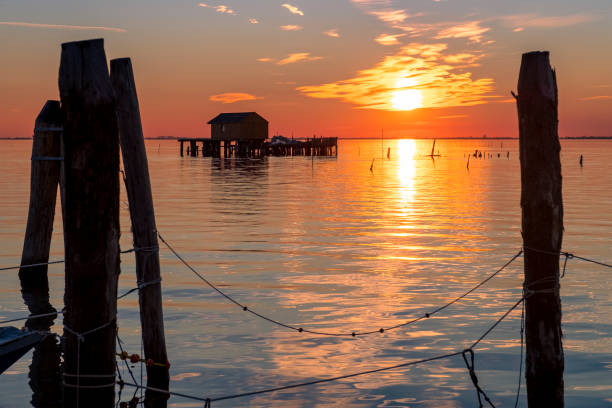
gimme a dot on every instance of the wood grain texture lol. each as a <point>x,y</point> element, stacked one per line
<point>542,228</point>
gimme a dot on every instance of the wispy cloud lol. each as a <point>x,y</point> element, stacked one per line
<point>298,57</point>
<point>291,27</point>
<point>253,21</point>
<point>520,21</point>
<point>452,116</point>
<point>597,98</point>
<point>61,26</point>
<point>388,39</point>
<point>293,9</point>
<point>291,58</point>
<point>417,68</point>
<point>391,16</point>
<point>232,97</point>
<point>220,8</point>
<point>471,30</point>
<point>332,33</point>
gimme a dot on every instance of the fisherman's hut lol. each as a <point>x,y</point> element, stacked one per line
<point>240,126</point>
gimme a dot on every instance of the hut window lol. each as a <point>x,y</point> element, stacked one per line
<point>222,128</point>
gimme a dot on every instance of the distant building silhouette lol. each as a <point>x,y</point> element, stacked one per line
<point>238,126</point>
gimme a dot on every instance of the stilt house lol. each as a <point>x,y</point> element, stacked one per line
<point>238,126</point>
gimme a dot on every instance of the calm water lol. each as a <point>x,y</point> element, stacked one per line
<point>327,244</point>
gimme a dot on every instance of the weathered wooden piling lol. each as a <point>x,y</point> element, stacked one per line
<point>91,224</point>
<point>144,230</point>
<point>542,228</point>
<point>44,181</point>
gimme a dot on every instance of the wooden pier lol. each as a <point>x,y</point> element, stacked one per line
<point>206,147</point>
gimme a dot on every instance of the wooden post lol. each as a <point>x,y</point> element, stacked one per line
<point>44,181</point>
<point>144,231</point>
<point>91,224</point>
<point>542,225</point>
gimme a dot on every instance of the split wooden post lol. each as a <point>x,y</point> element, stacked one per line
<point>138,186</point>
<point>91,224</point>
<point>542,227</point>
<point>44,180</point>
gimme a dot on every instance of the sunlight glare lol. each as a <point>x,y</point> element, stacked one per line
<point>406,99</point>
<point>406,171</point>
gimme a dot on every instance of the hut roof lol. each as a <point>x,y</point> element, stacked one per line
<point>236,117</point>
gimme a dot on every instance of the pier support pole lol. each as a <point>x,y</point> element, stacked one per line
<point>138,186</point>
<point>91,224</point>
<point>542,228</point>
<point>44,180</point>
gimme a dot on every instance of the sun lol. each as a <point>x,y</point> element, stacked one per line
<point>406,99</point>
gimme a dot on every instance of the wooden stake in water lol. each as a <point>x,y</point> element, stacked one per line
<point>91,224</point>
<point>542,228</point>
<point>44,180</point>
<point>142,214</point>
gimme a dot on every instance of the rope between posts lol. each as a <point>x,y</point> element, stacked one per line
<point>351,334</point>
<point>32,317</point>
<point>568,255</point>
<point>127,251</point>
<point>469,350</point>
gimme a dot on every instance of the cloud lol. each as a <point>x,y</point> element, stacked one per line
<point>415,68</point>
<point>297,57</point>
<point>291,27</point>
<point>597,98</point>
<point>220,8</point>
<point>291,58</point>
<point>471,30</point>
<point>388,39</point>
<point>61,26</point>
<point>452,116</point>
<point>231,97</point>
<point>391,16</point>
<point>332,33</point>
<point>293,9</point>
<point>520,21</point>
<point>253,21</point>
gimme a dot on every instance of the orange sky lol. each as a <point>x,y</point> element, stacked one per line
<point>346,68</point>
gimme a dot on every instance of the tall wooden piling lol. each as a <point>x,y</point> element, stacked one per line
<point>542,227</point>
<point>140,199</point>
<point>91,224</point>
<point>44,181</point>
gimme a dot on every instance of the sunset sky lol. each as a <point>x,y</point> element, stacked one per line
<point>347,68</point>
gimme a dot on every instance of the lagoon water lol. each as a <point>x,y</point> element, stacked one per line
<point>326,244</point>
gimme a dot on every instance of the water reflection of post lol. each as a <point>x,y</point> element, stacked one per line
<point>44,179</point>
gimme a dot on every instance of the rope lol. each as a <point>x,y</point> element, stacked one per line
<point>569,255</point>
<point>520,376</point>
<point>31,265</point>
<point>81,338</point>
<point>471,369</point>
<point>32,317</point>
<point>141,285</point>
<point>127,251</point>
<point>351,334</point>
<point>208,401</point>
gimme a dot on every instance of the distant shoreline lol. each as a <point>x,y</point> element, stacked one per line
<point>389,138</point>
